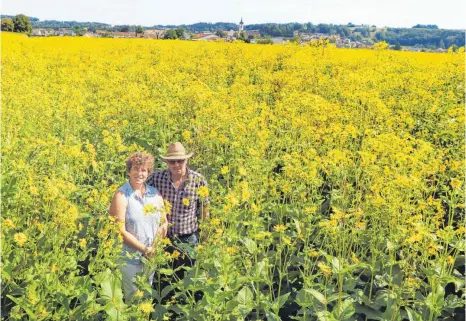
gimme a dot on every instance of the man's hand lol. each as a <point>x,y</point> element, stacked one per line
<point>163,229</point>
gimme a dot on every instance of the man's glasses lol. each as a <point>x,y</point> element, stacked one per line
<point>179,161</point>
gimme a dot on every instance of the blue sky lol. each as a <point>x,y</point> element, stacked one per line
<point>448,14</point>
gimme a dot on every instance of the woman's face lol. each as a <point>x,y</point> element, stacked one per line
<point>138,174</point>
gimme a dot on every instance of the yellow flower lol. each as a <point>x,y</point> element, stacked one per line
<point>33,298</point>
<point>146,307</point>
<point>8,223</point>
<point>203,191</point>
<point>286,240</point>
<point>313,253</point>
<point>415,238</point>
<point>186,201</point>
<point>149,209</point>
<point>20,238</point>
<point>262,235</point>
<point>279,228</point>
<point>242,171</point>
<point>54,268</point>
<point>42,312</point>
<point>175,254</point>
<point>103,233</point>
<point>82,243</point>
<point>224,170</point>
<point>432,250</point>
<point>256,209</point>
<point>360,225</point>
<point>231,250</point>
<point>215,221</point>
<point>138,294</point>
<point>325,269</point>
<point>354,258</point>
<point>167,206</point>
<point>455,183</point>
<point>450,260</point>
<point>310,210</point>
<point>166,241</point>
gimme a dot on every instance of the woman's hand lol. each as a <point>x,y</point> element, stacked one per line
<point>149,251</point>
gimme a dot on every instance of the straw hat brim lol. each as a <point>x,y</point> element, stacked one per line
<point>176,157</point>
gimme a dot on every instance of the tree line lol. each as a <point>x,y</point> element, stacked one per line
<point>418,35</point>
<point>422,37</point>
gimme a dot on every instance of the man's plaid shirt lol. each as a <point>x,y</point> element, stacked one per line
<point>185,201</point>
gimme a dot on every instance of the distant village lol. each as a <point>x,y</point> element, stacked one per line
<point>253,36</point>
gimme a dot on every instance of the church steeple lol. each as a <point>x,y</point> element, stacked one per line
<point>241,25</point>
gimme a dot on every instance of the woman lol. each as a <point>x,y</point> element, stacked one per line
<point>138,209</point>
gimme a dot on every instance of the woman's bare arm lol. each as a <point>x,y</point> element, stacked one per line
<point>118,210</point>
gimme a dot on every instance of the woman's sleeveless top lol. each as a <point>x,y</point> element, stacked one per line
<point>142,219</point>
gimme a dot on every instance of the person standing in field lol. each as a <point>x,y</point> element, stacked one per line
<point>186,192</point>
<point>139,211</point>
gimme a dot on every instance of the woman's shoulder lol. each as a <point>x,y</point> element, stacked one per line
<point>124,189</point>
<point>152,191</point>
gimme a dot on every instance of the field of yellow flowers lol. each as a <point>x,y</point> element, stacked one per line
<point>336,178</point>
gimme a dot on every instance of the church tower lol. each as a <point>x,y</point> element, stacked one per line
<point>241,25</point>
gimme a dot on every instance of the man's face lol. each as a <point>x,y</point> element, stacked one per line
<point>177,167</point>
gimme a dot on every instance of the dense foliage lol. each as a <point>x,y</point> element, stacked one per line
<point>422,37</point>
<point>336,178</point>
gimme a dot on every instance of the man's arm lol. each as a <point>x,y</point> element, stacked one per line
<point>204,212</point>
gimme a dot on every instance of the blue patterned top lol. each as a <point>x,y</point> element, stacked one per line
<point>142,219</point>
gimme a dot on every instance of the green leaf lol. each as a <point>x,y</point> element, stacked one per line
<point>435,300</point>
<point>345,311</point>
<point>245,297</point>
<point>231,305</point>
<point>166,271</point>
<point>336,296</point>
<point>316,294</point>
<point>24,306</point>
<point>324,316</point>
<point>272,316</point>
<point>413,316</point>
<point>336,266</point>
<point>280,301</point>
<point>302,299</point>
<point>250,245</point>
<point>368,312</point>
<point>142,143</point>
<point>452,301</point>
<point>111,286</point>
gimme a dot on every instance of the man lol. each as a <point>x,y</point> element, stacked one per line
<point>185,191</point>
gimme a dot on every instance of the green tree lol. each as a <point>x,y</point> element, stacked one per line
<point>7,24</point>
<point>124,29</point>
<point>221,33</point>
<point>441,43</point>
<point>170,34</point>
<point>21,23</point>
<point>139,29</point>
<point>179,33</point>
<point>296,39</point>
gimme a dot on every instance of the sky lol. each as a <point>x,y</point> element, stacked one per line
<point>447,14</point>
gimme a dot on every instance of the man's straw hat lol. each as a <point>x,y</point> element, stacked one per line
<point>176,151</point>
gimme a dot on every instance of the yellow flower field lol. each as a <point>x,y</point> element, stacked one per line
<point>336,178</point>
